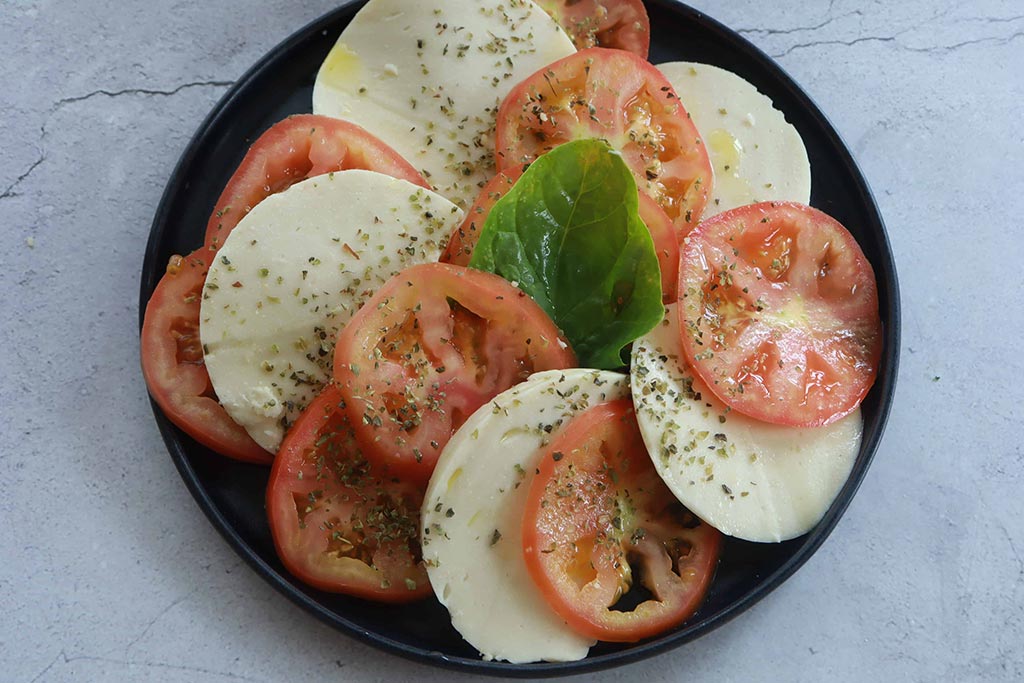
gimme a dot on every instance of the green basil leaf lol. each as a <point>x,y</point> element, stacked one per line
<point>568,233</point>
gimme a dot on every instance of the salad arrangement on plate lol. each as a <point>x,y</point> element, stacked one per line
<point>523,322</point>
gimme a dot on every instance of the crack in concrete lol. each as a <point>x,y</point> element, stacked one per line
<point>49,666</point>
<point>996,20</point>
<point>783,32</point>
<point>10,191</point>
<point>847,43</point>
<point>998,40</point>
<point>152,622</point>
<point>956,46</point>
<point>139,91</point>
<point>1013,549</point>
<point>830,19</point>
<point>62,657</point>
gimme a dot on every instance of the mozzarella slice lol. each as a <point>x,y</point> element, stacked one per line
<point>428,77</point>
<point>748,479</point>
<point>293,272</point>
<point>756,154</point>
<point>472,517</point>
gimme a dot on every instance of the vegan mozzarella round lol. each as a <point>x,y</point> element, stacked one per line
<point>749,479</point>
<point>472,516</point>
<point>428,77</point>
<point>756,154</point>
<point>293,272</point>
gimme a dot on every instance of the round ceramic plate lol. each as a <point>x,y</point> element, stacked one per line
<point>231,494</point>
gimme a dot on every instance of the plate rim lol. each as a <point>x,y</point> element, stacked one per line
<point>888,374</point>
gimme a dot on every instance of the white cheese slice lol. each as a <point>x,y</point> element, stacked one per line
<point>427,77</point>
<point>293,272</point>
<point>756,154</point>
<point>473,510</point>
<point>749,479</point>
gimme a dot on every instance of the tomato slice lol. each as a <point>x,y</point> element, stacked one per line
<point>464,238</point>
<point>779,313</point>
<point>599,521</point>
<point>172,362</point>
<point>666,245</point>
<point>339,523</point>
<point>294,149</point>
<point>619,97</point>
<point>434,344</point>
<point>621,24</point>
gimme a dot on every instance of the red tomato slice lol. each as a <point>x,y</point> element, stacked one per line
<point>464,238</point>
<point>599,520</point>
<point>172,362</point>
<point>434,344</point>
<point>337,523</point>
<point>666,245</point>
<point>294,149</point>
<point>619,97</point>
<point>779,313</point>
<point>621,24</point>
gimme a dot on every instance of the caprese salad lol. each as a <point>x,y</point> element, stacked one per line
<point>523,322</point>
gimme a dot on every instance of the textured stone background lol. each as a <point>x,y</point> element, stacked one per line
<point>110,572</point>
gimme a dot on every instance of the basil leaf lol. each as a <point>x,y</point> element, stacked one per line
<point>568,233</point>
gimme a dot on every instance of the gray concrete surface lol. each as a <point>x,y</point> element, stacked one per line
<point>109,571</point>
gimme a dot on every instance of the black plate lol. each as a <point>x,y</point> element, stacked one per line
<point>231,494</point>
